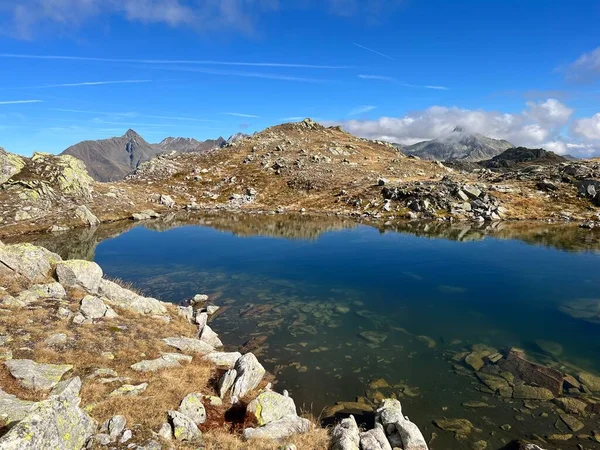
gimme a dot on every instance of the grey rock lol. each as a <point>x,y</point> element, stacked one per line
<point>189,345</point>
<point>192,407</point>
<point>166,431</point>
<point>115,426</point>
<point>201,320</point>
<point>32,375</point>
<point>184,428</point>
<point>223,360</point>
<point>129,390</point>
<point>48,425</point>
<point>279,429</point>
<point>226,382</point>
<point>126,299</point>
<point>198,299</point>
<point>56,340</point>
<point>67,390</point>
<point>399,428</point>
<point>102,439</point>
<point>167,201</point>
<point>34,263</point>
<point>345,435</point>
<point>86,216</point>
<point>127,435</point>
<point>79,274</point>
<point>13,409</point>
<point>210,337</point>
<point>270,406</point>
<point>374,439</point>
<point>165,361</point>
<point>249,374</point>
<point>92,307</point>
<point>51,290</point>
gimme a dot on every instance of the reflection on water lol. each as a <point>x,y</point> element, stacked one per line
<point>339,310</point>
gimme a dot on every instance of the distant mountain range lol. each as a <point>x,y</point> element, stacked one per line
<point>459,145</point>
<point>115,158</point>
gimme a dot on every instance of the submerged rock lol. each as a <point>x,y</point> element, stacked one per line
<point>532,373</point>
<point>461,428</point>
<point>592,382</point>
<point>32,375</point>
<point>522,391</point>
<point>373,337</point>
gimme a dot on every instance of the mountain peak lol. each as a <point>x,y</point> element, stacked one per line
<point>458,129</point>
<point>131,134</point>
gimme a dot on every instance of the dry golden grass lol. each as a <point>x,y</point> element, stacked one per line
<point>12,283</point>
<point>222,439</point>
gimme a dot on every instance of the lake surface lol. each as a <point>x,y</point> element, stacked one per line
<point>339,305</point>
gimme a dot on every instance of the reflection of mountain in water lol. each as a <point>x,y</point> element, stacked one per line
<point>81,243</point>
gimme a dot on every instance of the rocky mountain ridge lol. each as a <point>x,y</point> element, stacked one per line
<point>459,145</point>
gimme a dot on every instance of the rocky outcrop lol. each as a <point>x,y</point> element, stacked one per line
<point>10,165</point>
<point>36,264</point>
<point>56,423</point>
<point>80,274</point>
<point>36,376</point>
<point>126,299</point>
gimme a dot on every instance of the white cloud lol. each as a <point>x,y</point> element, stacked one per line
<point>588,128</point>
<point>18,102</point>
<point>29,17</point>
<point>88,83</point>
<point>362,110</point>
<point>586,68</point>
<point>541,124</point>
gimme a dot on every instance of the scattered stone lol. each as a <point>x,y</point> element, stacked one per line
<point>208,336</point>
<point>166,431</point>
<point>167,201</point>
<point>279,429</point>
<point>374,439</point>
<point>345,435</point>
<point>574,424</point>
<point>86,216</point>
<point>373,337</point>
<point>270,406</point>
<point>189,345</point>
<point>56,340</point>
<point>523,391</point>
<point>223,360</point>
<point>461,428</point>
<point>226,382</point>
<point>592,382</point>
<point>129,390</point>
<point>51,290</point>
<point>571,405</point>
<point>32,375</point>
<point>249,374</point>
<point>165,361</point>
<point>126,299</point>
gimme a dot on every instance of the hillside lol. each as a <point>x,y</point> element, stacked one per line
<point>459,145</point>
<point>523,156</point>
<point>183,145</point>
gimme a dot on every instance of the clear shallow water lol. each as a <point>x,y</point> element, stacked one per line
<point>318,286</point>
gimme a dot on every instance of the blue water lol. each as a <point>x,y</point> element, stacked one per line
<point>499,292</point>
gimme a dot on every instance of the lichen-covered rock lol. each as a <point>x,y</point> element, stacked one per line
<point>279,429</point>
<point>114,427</point>
<point>126,299</point>
<point>13,409</point>
<point>345,435</point>
<point>399,429</point>
<point>129,390</point>
<point>32,375</point>
<point>81,274</point>
<point>189,345</point>
<point>165,361</point>
<point>223,360</point>
<point>249,374</point>
<point>270,406</point>
<point>184,428</point>
<point>192,407</point>
<point>210,337</point>
<point>34,263</point>
<point>10,164</point>
<point>54,424</point>
<point>56,340</point>
<point>51,290</point>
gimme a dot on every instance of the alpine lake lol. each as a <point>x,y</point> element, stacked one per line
<point>340,311</point>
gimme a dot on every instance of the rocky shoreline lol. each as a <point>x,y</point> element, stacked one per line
<point>75,297</point>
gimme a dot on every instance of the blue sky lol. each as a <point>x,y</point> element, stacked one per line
<point>402,70</point>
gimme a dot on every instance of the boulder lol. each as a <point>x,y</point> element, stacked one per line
<point>67,390</point>
<point>374,439</point>
<point>279,429</point>
<point>34,263</point>
<point>223,360</point>
<point>249,374</point>
<point>10,165</point>
<point>270,406</point>
<point>184,428</point>
<point>210,337</point>
<point>189,345</point>
<point>165,361</point>
<point>114,427</point>
<point>399,429</point>
<point>93,308</point>
<point>523,391</point>
<point>571,405</point>
<point>126,299</point>
<point>460,427</point>
<point>592,382</point>
<point>13,409</point>
<point>32,375</point>
<point>192,407</point>
<point>167,201</point>
<point>57,423</point>
<point>226,382</point>
<point>345,435</point>
<point>51,290</point>
<point>86,216</point>
<point>81,274</point>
